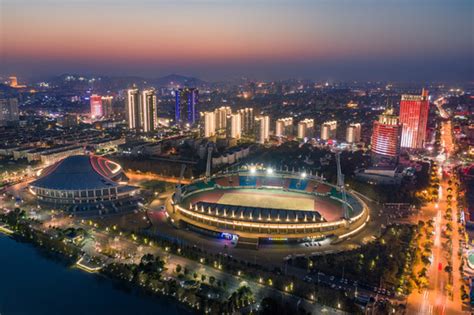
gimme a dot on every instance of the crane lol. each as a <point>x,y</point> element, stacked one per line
<point>340,184</point>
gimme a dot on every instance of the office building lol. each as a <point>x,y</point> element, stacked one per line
<point>385,142</point>
<point>96,106</point>
<point>328,130</point>
<point>262,129</point>
<point>353,133</point>
<point>414,120</point>
<point>306,128</point>
<point>185,106</point>
<point>107,110</point>
<point>284,127</point>
<point>9,113</point>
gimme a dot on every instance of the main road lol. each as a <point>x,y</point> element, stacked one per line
<point>436,298</point>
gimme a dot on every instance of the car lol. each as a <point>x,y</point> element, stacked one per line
<point>308,279</point>
<point>331,278</point>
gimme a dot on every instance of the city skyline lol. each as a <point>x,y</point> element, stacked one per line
<point>227,40</point>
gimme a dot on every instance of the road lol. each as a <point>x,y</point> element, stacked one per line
<point>435,299</point>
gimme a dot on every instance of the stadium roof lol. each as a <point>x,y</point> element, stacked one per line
<point>80,172</point>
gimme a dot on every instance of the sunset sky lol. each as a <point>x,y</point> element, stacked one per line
<point>225,39</point>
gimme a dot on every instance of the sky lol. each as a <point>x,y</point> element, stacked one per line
<point>398,40</point>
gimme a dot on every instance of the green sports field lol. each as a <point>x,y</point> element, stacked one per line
<point>267,199</point>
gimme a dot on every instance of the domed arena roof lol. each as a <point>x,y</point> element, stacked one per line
<point>81,172</point>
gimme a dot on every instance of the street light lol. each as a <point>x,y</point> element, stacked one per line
<point>303,175</point>
<point>269,171</point>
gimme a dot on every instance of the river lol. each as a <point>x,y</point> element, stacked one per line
<point>31,283</point>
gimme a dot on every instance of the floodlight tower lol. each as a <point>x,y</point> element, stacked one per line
<point>178,187</point>
<point>340,184</point>
<point>208,164</point>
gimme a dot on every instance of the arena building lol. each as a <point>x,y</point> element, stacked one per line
<point>83,180</point>
<point>257,203</point>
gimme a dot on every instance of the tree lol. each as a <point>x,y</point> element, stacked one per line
<point>203,278</point>
<point>178,268</point>
<point>212,280</point>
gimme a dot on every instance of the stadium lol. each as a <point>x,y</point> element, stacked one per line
<point>258,204</point>
<point>83,182</point>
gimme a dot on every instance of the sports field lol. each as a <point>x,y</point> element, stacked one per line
<point>272,199</point>
<point>263,199</point>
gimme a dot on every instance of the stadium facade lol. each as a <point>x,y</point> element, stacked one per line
<point>262,204</point>
<point>82,180</point>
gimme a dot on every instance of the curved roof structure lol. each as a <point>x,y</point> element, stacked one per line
<point>80,172</point>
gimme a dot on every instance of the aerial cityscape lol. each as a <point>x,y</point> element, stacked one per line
<point>237,157</point>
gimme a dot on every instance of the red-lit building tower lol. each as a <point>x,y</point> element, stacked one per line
<point>96,106</point>
<point>386,139</point>
<point>414,120</point>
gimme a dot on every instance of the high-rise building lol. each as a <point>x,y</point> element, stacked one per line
<point>305,128</point>
<point>9,113</point>
<point>141,110</point>
<point>208,121</point>
<point>148,110</point>
<point>385,140</point>
<point>247,120</point>
<point>262,129</point>
<point>414,119</point>
<point>185,106</point>
<point>133,109</point>
<point>96,106</point>
<point>107,110</point>
<point>284,127</point>
<point>234,126</point>
<point>328,130</point>
<point>353,133</point>
<point>221,117</point>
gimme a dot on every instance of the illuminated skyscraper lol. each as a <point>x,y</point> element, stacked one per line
<point>208,121</point>
<point>414,120</point>
<point>96,106</point>
<point>262,129</point>
<point>107,106</point>
<point>185,106</point>
<point>234,126</point>
<point>386,138</point>
<point>247,120</point>
<point>305,128</point>
<point>284,127</point>
<point>148,110</point>
<point>133,109</point>
<point>221,117</point>
<point>328,130</point>
<point>353,133</point>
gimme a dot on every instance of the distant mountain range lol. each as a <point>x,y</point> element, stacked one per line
<point>118,82</point>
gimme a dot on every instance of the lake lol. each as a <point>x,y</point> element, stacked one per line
<point>31,283</point>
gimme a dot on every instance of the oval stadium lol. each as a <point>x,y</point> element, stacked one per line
<point>260,204</point>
